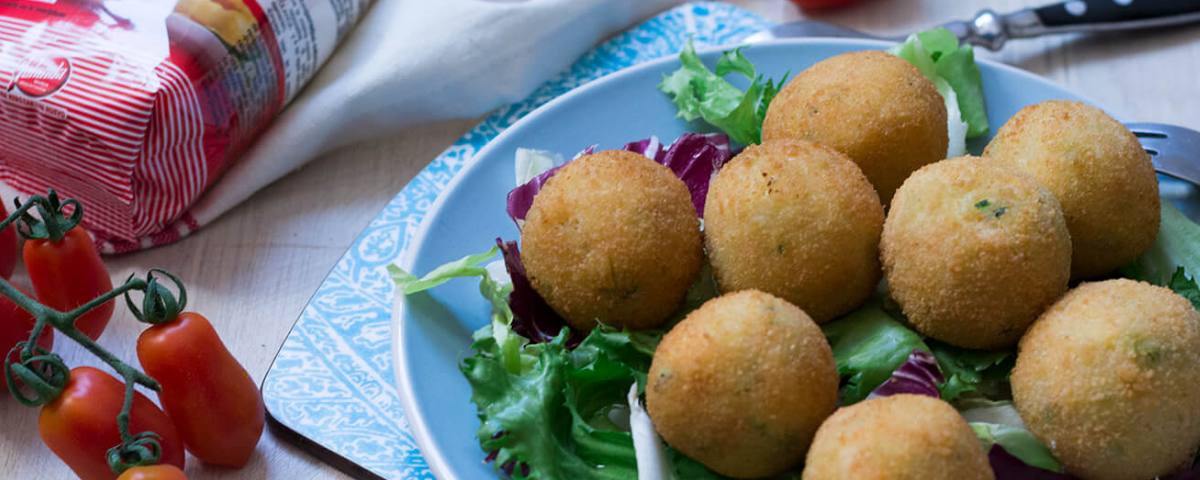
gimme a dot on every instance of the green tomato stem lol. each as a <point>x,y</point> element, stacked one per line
<point>44,372</point>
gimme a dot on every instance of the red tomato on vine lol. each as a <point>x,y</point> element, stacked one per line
<point>67,274</point>
<point>153,472</point>
<point>214,403</point>
<point>80,427</point>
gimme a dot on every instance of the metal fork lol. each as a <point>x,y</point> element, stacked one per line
<point>1174,150</point>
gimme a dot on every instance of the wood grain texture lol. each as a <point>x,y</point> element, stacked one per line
<point>253,270</point>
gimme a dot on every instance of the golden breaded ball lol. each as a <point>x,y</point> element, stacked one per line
<point>875,107</point>
<point>1098,171</point>
<point>797,220</point>
<point>742,383</point>
<point>613,237</point>
<point>901,437</point>
<point>973,252</point>
<point>1109,378</point>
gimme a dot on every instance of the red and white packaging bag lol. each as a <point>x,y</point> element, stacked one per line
<point>135,107</point>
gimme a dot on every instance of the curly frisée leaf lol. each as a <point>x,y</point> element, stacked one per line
<point>557,417</point>
<point>528,422</point>
<point>564,413</point>
<point>973,371</point>
<point>700,92</point>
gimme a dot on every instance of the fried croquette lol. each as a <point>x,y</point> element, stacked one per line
<point>613,237</point>
<point>742,383</point>
<point>1109,378</point>
<point>797,220</point>
<point>872,106</point>
<point>901,437</point>
<point>973,252</point>
<point>1098,171</point>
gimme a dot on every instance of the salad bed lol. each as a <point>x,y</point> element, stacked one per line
<point>553,402</point>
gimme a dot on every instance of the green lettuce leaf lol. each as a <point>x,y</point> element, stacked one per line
<point>592,394</point>
<point>467,266</point>
<point>956,64</point>
<point>1185,285</point>
<point>687,468</point>
<point>702,93</point>
<point>868,345</point>
<point>1179,281</point>
<point>527,420</point>
<point>633,350</point>
<point>1177,245</point>
<point>914,52</point>
<point>555,416</point>
<point>1018,442</point>
<point>977,372</point>
<point>496,293</point>
<point>1175,253</point>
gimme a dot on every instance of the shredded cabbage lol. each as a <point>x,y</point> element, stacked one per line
<point>532,162</point>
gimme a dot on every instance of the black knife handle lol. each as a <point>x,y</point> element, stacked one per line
<point>1091,12</point>
<point>992,30</point>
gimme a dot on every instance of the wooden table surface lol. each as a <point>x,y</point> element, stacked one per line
<point>253,270</point>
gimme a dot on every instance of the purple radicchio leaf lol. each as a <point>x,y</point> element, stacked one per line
<point>521,198</point>
<point>532,316</point>
<point>1006,466</point>
<point>651,147</point>
<point>920,375</point>
<point>694,157</point>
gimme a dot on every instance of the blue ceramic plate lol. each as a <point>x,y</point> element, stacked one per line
<point>432,331</point>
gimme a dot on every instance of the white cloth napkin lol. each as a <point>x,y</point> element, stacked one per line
<point>417,61</point>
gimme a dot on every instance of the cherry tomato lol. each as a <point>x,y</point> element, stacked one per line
<point>821,3</point>
<point>153,472</point>
<point>210,397</point>
<point>8,246</point>
<point>15,326</point>
<point>67,274</point>
<point>81,424</point>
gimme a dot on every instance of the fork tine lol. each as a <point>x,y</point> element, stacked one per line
<point>1157,138</point>
<point>1175,132</point>
<point>1174,149</point>
<point>1143,130</point>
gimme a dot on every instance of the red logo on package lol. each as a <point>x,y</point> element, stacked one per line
<point>40,76</point>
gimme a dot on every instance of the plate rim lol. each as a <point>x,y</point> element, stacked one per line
<point>434,457</point>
